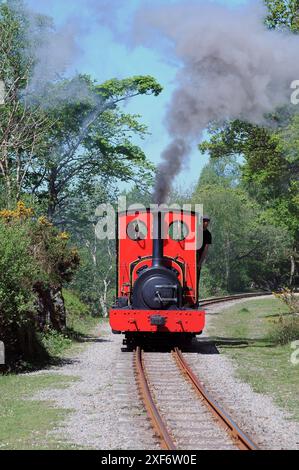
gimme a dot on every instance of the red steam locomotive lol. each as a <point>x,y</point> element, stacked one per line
<point>157,281</point>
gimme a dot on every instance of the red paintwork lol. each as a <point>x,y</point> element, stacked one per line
<point>177,321</point>
<point>129,251</point>
<point>133,254</point>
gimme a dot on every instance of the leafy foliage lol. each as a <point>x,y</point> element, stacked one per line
<point>23,127</point>
<point>289,298</point>
<point>270,164</point>
<point>61,139</point>
<point>33,256</point>
<point>283,14</point>
<point>63,144</point>
<point>246,251</point>
<point>285,330</point>
<point>270,170</point>
<point>19,272</point>
<point>91,142</point>
<point>54,341</point>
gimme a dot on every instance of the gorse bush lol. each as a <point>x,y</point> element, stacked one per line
<point>19,273</point>
<point>35,260</point>
<point>50,249</point>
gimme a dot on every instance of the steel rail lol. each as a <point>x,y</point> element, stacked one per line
<point>152,410</point>
<point>238,436</point>
<point>214,300</point>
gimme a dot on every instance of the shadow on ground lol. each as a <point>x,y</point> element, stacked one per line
<point>195,345</point>
<point>38,362</point>
<point>204,345</point>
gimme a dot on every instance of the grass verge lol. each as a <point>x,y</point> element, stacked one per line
<point>79,325</point>
<point>247,333</point>
<point>25,423</point>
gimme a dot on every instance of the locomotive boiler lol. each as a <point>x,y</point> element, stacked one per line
<point>157,285</point>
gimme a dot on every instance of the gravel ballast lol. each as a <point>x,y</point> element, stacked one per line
<point>105,410</point>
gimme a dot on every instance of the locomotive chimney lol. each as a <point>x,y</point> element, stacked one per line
<point>157,240</point>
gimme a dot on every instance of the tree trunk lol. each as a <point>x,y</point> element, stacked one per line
<point>293,267</point>
<point>52,193</point>
<point>5,173</point>
<point>227,263</point>
<point>103,306</point>
<point>51,309</point>
<point>103,299</point>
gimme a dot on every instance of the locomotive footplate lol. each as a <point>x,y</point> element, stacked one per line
<point>176,321</point>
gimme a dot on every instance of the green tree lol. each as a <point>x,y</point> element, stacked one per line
<point>22,127</point>
<point>35,259</point>
<point>59,139</point>
<point>269,172</point>
<point>283,14</point>
<point>246,250</point>
<point>92,141</point>
<point>269,153</point>
<point>94,281</point>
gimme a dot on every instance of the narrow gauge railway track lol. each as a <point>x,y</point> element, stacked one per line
<point>201,423</point>
<point>167,384</point>
<point>215,300</point>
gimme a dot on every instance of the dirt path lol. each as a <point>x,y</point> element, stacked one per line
<point>104,411</point>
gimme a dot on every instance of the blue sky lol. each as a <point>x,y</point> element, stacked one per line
<point>105,53</point>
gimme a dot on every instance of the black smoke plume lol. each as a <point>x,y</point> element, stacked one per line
<point>230,66</point>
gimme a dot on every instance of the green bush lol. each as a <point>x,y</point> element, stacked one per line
<point>73,304</point>
<point>285,330</point>
<point>18,272</point>
<point>79,318</point>
<point>54,342</point>
<point>207,285</point>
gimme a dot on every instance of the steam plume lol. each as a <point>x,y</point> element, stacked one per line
<point>231,66</point>
<point>57,49</point>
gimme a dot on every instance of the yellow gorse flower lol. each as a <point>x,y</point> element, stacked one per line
<point>43,220</point>
<point>6,214</point>
<point>23,211</point>
<point>63,236</point>
<point>20,212</point>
